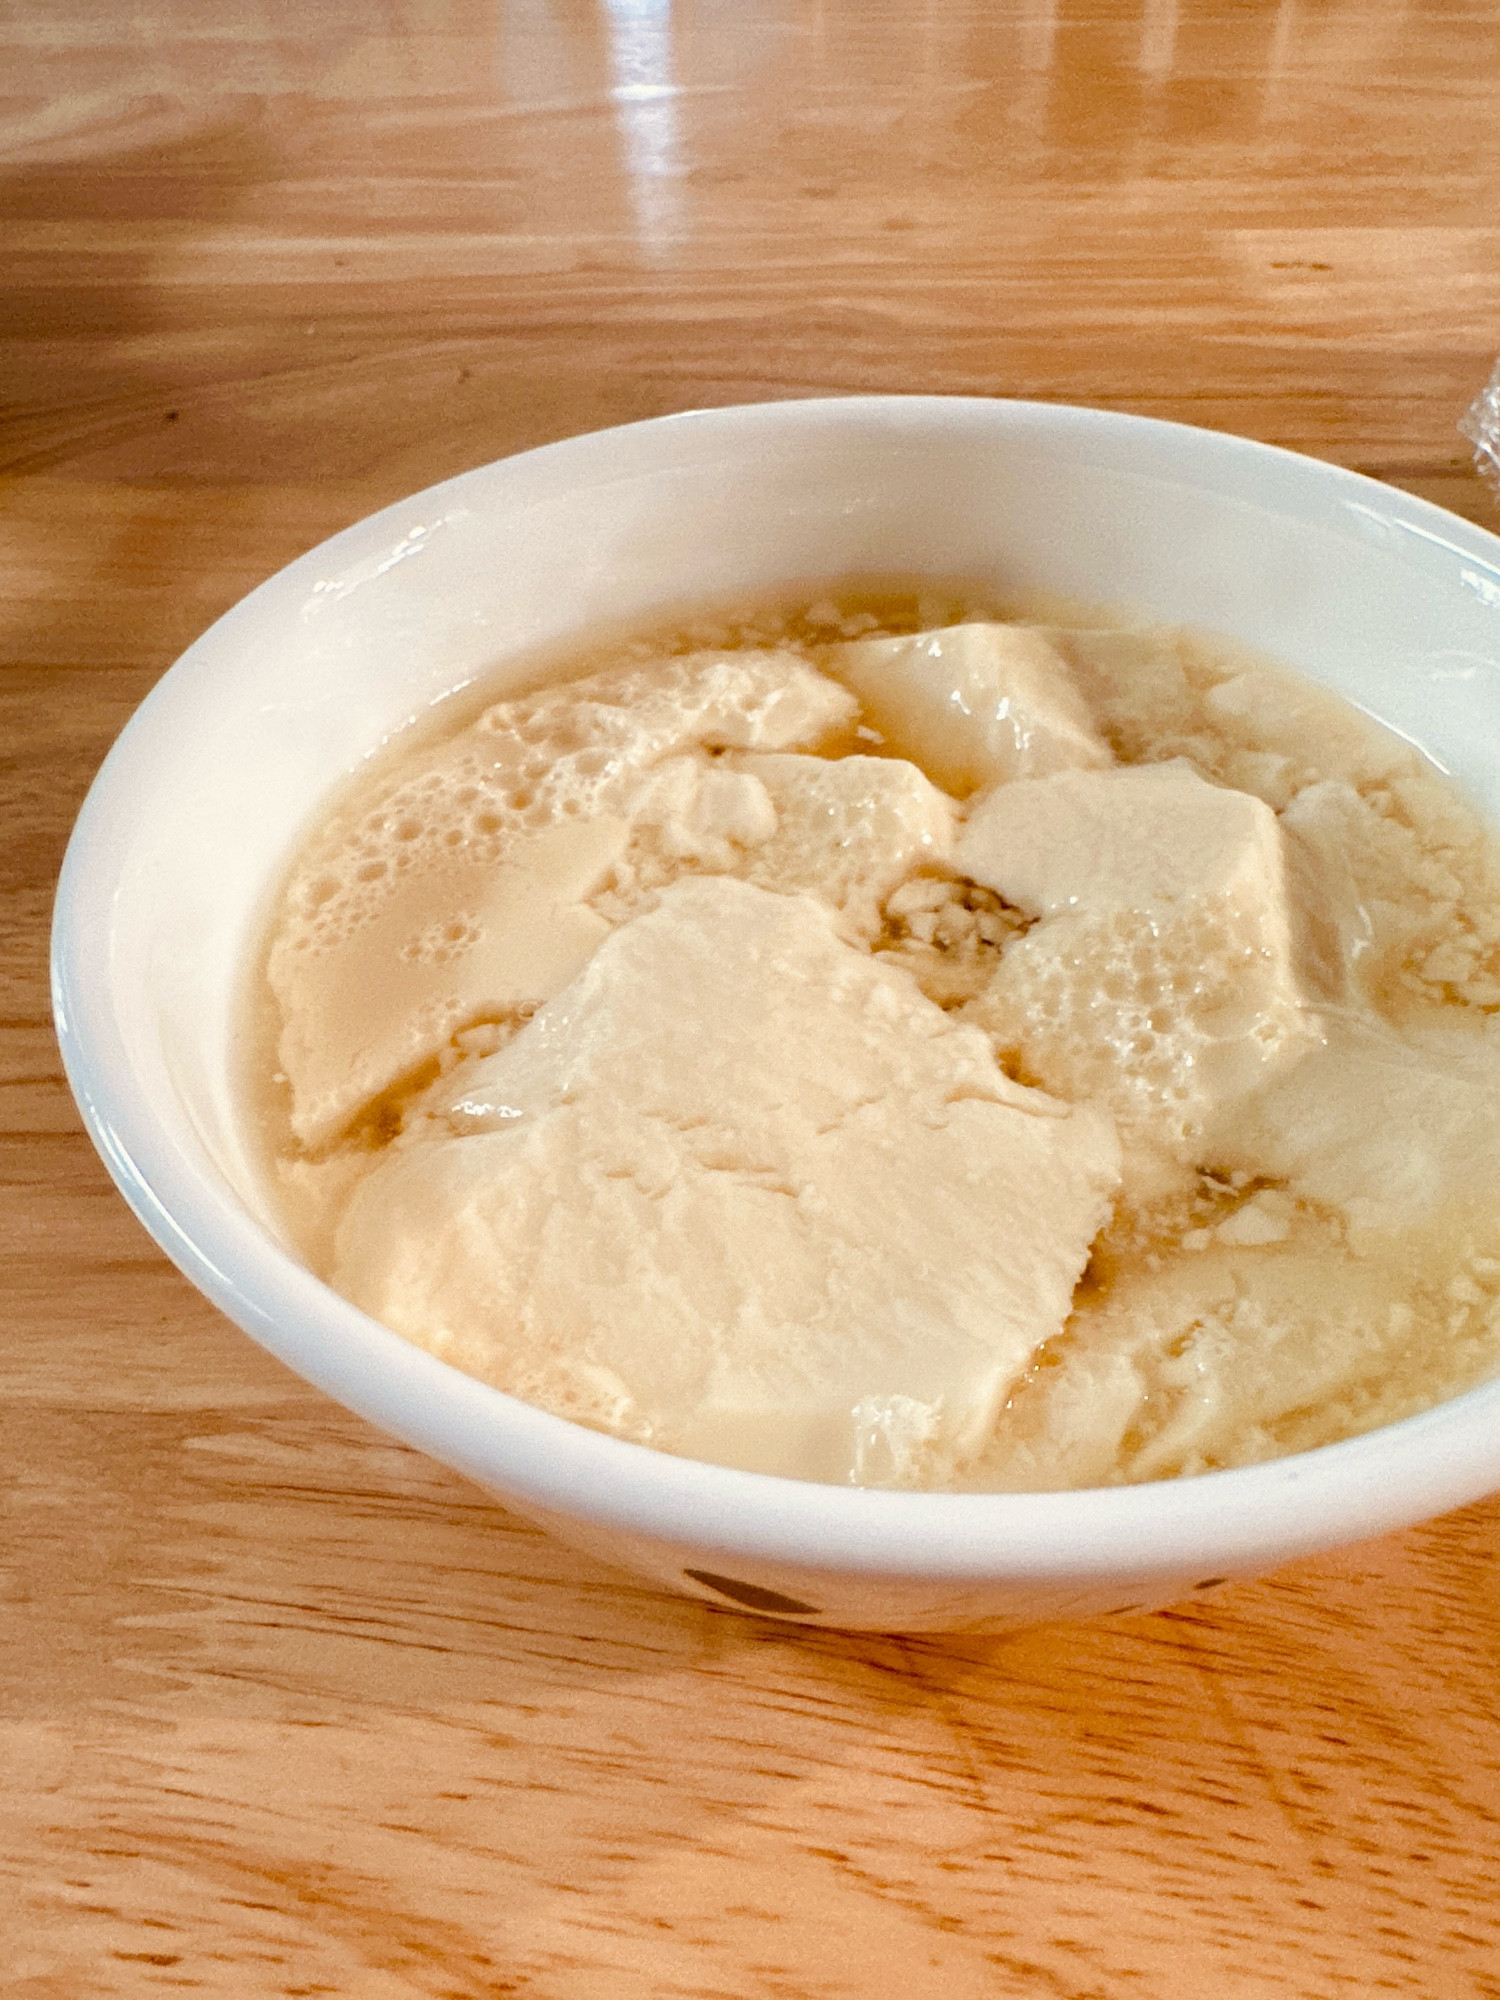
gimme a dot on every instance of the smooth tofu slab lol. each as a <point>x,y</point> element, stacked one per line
<point>740,1192</point>
<point>1437,1133</point>
<point>975,705</point>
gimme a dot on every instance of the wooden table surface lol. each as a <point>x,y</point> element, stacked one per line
<point>286,1709</point>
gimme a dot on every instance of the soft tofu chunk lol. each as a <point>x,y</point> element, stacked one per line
<point>740,1192</point>
<point>1437,1131</point>
<point>442,948</point>
<point>1278,712</point>
<point>453,894</point>
<point>1132,679</point>
<point>1332,836</point>
<point>1186,1366</point>
<point>698,810</point>
<point>848,831</point>
<point>1158,979</point>
<point>974,705</point>
<point>768,699</point>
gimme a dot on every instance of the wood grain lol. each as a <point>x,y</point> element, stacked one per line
<point>285,1709</point>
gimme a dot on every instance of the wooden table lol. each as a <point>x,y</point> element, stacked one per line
<point>286,1709</point>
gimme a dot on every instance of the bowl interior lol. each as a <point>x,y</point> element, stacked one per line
<point>1388,601</point>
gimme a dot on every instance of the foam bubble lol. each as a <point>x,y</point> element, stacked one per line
<point>1147,1016</point>
<point>398,926</point>
<point>570,752</point>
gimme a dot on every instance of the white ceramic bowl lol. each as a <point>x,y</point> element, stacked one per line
<point>198,807</point>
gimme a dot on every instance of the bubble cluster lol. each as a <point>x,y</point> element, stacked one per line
<point>848,830</point>
<point>572,751</point>
<point>1144,1016</point>
<point>441,943</point>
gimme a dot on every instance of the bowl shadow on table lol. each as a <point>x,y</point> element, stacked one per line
<point>105,358</point>
<point>460,1584</point>
<point>103,588</point>
<point>108,575</point>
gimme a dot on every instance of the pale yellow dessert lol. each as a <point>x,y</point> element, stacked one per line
<point>812,1227</point>
<point>459,896</point>
<point>1158,978</point>
<point>974,704</point>
<point>986,1055</point>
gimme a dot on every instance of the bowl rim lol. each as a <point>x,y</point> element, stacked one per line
<point>1245,1517</point>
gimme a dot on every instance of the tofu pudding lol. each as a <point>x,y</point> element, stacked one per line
<point>907,1042</point>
